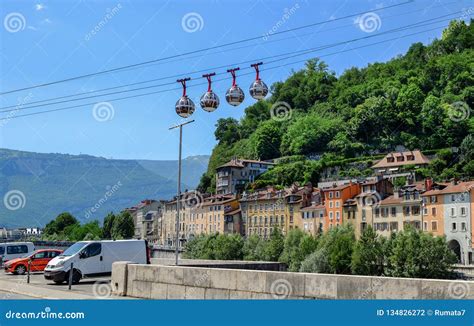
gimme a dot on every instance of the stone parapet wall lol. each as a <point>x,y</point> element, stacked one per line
<point>185,282</point>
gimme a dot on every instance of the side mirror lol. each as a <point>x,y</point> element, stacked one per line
<point>82,255</point>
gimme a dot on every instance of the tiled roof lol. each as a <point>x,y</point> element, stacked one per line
<point>313,207</point>
<point>419,158</point>
<point>390,200</point>
<point>457,188</point>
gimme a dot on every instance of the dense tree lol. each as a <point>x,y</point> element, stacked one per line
<point>418,254</point>
<point>108,224</point>
<point>123,227</point>
<point>267,139</point>
<point>309,134</point>
<point>227,130</point>
<point>298,245</point>
<point>58,225</point>
<point>367,257</point>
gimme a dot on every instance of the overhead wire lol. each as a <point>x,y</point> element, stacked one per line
<point>288,55</point>
<point>202,49</point>
<point>205,83</point>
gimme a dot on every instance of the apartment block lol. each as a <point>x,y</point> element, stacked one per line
<point>232,177</point>
<point>334,199</point>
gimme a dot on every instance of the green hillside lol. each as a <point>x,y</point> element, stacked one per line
<point>53,183</point>
<point>421,100</point>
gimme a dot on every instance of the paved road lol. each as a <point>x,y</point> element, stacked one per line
<point>94,287</point>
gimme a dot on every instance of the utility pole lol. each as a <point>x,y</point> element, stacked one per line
<point>178,199</point>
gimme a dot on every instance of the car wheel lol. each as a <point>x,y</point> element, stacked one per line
<point>76,276</point>
<point>20,270</point>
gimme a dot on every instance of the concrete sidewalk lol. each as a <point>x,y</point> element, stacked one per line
<point>44,293</point>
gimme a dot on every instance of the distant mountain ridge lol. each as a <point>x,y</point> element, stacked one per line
<point>35,187</point>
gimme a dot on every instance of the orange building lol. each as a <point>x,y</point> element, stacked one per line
<point>433,208</point>
<point>334,199</point>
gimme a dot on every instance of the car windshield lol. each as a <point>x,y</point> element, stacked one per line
<point>74,249</point>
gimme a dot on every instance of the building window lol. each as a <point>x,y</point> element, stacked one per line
<point>338,203</point>
<point>434,226</point>
<point>453,211</point>
<point>453,198</point>
<point>415,210</point>
<point>338,216</point>
<point>331,215</point>
<point>393,211</point>
<point>433,211</point>
<point>463,226</point>
<point>433,199</point>
<point>425,226</point>
<point>338,194</point>
<point>406,211</point>
<point>330,194</point>
<point>453,226</point>
<point>331,204</point>
<point>463,211</point>
<point>394,226</point>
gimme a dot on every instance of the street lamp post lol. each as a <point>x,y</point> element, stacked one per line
<point>178,199</point>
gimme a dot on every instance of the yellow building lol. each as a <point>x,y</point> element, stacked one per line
<point>360,210</point>
<point>200,214</point>
<point>270,208</point>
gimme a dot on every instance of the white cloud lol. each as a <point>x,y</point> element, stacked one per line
<point>46,21</point>
<point>39,6</point>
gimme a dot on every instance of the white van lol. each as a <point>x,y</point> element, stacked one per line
<point>95,258</point>
<point>12,250</point>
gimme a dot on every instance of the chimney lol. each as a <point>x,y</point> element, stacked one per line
<point>428,184</point>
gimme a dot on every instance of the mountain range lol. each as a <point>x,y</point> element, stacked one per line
<point>36,187</point>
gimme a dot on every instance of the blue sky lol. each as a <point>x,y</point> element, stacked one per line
<point>53,40</point>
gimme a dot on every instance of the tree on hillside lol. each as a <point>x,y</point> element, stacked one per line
<point>227,130</point>
<point>309,134</point>
<point>267,139</point>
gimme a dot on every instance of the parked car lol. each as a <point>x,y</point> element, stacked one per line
<point>12,250</point>
<point>95,258</point>
<point>39,260</point>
